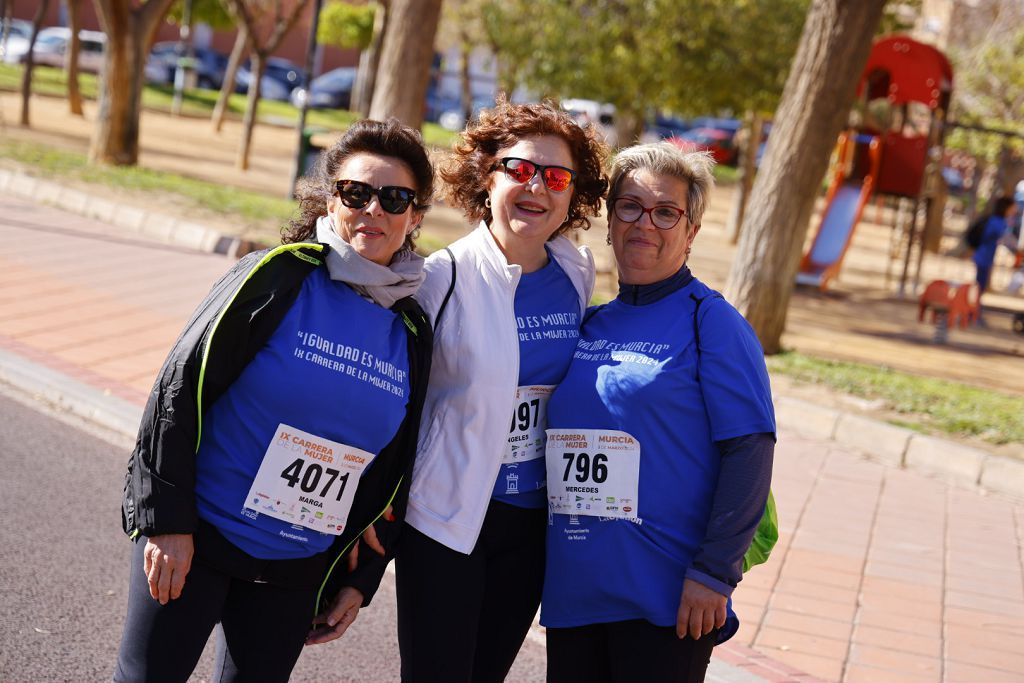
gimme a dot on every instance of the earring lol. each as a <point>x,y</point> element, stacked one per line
<point>608,239</point>
<point>688,251</point>
<point>487,202</point>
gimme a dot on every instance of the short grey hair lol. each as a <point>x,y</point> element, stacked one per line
<point>664,158</point>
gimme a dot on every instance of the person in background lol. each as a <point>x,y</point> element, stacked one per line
<point>659,447</point>
<point>997,230</point>
<point>282,426</point>
<point>471,561</point>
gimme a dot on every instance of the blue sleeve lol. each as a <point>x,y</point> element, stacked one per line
<point>738,504</point>
<point>732,373</point>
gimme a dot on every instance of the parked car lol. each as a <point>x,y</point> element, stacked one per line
<point>454,118</point>
<point>718,142</point>
<point>19,28</point>
<point>731,126</point>
<point>51,48</point>
<point>280,77</point>
<point>332,90</point>
<point>16,45</point>
<point>162,64</point>
<point>665,126</point>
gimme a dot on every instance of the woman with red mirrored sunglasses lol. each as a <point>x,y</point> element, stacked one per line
<point>282,427</point>
<point>471,563</point>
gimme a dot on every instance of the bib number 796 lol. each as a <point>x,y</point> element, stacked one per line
<point>588,468</point>
<point>309,479</point>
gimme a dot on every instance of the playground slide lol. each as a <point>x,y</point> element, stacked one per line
<point>821,263</point>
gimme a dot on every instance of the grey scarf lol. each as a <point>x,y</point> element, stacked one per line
<point>383,285</point>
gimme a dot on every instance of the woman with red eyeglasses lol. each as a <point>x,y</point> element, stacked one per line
<point>282,426</point>
<point>660,445</point>
<point>507,300</point>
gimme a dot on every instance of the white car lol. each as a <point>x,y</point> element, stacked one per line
<point>51,48</point>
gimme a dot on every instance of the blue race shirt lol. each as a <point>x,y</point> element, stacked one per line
<point>337,367</point>
<point>547,314</point>
<point>636,370</point>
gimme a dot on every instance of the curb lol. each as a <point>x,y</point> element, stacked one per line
<point>904,448</point>
<point>879,441</point>
<point>71,396</point>
<point>133,220</point>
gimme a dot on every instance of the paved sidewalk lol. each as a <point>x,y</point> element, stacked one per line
<point>881,574</point>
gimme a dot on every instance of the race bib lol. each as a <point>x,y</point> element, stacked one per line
<point>530,417</point>
<point>307,480</point>
<point>593,472</point>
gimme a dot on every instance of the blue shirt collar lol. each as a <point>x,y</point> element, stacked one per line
<point>641,295</point>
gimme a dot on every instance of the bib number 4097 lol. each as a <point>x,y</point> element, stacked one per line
<point>587,468</point>
<point>526,413</point>
<point>309,480</point>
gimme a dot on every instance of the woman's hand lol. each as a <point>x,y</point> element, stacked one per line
<point>168,558</point>
<point>333,623</point>
<point>700,610</point>
<point>371,541</point>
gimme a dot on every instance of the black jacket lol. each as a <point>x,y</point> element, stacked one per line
<point>235,320</point>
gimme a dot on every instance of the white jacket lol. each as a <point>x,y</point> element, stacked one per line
<point>473,381</point>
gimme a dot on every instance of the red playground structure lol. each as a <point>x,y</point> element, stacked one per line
<point>910,83</point>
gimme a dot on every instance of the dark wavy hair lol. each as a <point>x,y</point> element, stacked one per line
<point>389,138</point>
<point>1001,206</point>
<point>467,170</point>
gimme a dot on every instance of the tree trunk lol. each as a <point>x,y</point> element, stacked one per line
<point>815,103</point>
<point>260,52</point>
<point>465,48</point>
<point>369,60</point>
<point>404,68</point>
<point>26,75</point>
<point>129,35</point>
<point>257,67</point>
<point>74,92</point>
<point>748,167</point>
<point>228,86</point>
<point>629,126</point>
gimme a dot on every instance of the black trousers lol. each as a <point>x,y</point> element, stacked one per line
<point>463,618</point>
<point>626,651</point>
<point>263,627</point>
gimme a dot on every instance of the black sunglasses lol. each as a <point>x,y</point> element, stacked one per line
<point>393,198</point>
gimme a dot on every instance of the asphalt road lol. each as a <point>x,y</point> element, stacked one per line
<point>64,566</point>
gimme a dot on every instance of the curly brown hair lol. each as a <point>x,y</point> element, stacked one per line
<point>390,138</point>
<point>467,170</point>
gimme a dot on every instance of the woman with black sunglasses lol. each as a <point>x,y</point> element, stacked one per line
<point>283,426</point>
<point>471,563</point>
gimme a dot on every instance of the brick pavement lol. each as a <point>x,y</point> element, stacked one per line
<point>881,574</point>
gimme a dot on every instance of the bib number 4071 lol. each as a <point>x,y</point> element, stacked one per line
<point>587,468</point>
<point>308,475</point>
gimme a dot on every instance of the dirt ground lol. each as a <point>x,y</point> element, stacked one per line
<point>860,318</point>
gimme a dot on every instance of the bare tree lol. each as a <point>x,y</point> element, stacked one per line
<point>75,25</point>
<point>369,61</point>
<point>238,52</point>
<point>130,26</point>
<point>404,69</point>
<point>815,104</point>
<point>26,76</point>
<point>749,144</point>
<point>262,48</point>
